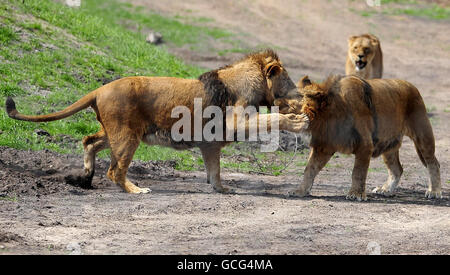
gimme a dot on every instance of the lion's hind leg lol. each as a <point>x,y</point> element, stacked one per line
<point>425,150</point>
<point>92,145</point>
<point>123,146</point>
<point>395,169</point>
<point>421,133</point>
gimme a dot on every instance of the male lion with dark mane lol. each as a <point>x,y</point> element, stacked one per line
<point>367,118</point>
<point>364,58</point>
<point>135,109</point>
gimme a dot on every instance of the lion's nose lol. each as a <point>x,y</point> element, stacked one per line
<point>360,56</point>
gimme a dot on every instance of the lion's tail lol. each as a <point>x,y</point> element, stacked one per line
<point>83,103</point>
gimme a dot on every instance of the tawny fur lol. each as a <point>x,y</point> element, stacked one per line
<point>135,109</point>
<point>367,118</point>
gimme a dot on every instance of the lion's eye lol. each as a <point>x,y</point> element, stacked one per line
<point>366,50</point>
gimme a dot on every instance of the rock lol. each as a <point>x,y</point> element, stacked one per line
<point>41,132</point>
<point>154,38</point>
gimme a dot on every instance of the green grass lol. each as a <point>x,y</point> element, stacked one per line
<point>7,34</point>
<point>407,7</point>
<point>51,55</point>
<point>142,20</point>
<point>433,12</point>
<point>8,198</point>
<point>398,1</point>
<point>271,163</point>
<point>367,13</point>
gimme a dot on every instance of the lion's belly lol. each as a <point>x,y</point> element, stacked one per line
<point>163,138</point>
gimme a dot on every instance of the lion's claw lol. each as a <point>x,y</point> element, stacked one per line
<point>433,194</point>
<point>356,196</point>
<point>382,191</point>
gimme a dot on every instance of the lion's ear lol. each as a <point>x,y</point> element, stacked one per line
<point>373,39</point>
<point>351,39</point>
<point>303,82</point>
<point>272,69</point>
<point>375,42</point>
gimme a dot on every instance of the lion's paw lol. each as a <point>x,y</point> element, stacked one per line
<point>139,190</point>
<point>383,191</point>
<point>296,123</point>
<point>299,193</point>
<point>223,190</point>
<point>358,196</point>
<point>433,194</point>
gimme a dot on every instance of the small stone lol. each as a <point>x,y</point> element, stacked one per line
<point>73,3</point>
<point>41,132</point>
<point>154,38</point>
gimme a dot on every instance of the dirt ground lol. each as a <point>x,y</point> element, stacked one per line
<point>41,213</point>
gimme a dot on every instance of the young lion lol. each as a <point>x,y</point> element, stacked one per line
<point>364,57</point>
<point>368,119</point>
<point>135,109</point>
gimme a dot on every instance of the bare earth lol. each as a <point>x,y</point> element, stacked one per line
<point>41,213</point>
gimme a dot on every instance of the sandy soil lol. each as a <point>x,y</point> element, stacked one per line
<point>183,214</point>
<point>41,213</point>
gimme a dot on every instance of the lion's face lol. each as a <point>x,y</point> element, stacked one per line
<point>291,103</point>
<point>278,81</point>
<point>362,49</point>
<point>308,98</point>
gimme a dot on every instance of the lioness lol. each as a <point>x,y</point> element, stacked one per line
<point>364,57</point>
<point>135,109</point>
<point>366,118</point>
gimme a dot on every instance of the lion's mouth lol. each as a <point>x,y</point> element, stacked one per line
<point>360,64</point>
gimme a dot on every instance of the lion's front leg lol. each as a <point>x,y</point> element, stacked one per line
<point>293,123</point>
<point>359,175</point>
<point>269,122</point>
<point>317,160</point>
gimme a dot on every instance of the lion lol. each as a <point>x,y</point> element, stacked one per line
<point>364,58</point>
<point>367,118</point>
<point>135,109</point>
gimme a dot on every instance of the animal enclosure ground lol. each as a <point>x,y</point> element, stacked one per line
<point>41,213</point>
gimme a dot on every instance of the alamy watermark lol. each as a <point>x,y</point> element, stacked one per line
<point>373,248</point>
<point>239,124</point>
<point>373,3</point>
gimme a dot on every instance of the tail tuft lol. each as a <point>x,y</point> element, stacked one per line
<point>10,107</point>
